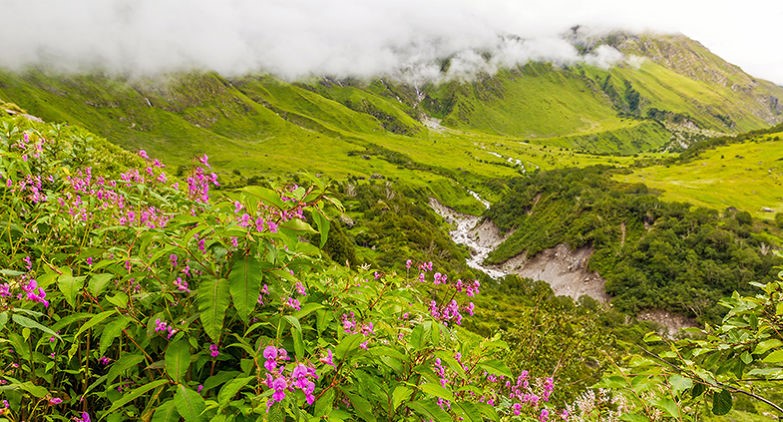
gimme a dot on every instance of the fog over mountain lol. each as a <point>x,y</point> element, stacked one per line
<point>295,39</point>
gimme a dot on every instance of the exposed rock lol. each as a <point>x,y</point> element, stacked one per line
<point>670,324</point>
<point>564,269</point>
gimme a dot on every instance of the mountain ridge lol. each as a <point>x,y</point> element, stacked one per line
<point>633,107</point>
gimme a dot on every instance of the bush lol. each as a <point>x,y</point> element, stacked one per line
<point>125,296</point>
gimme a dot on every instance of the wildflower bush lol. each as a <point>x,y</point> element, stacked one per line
<point>737,364</point>
<point>126,294</point>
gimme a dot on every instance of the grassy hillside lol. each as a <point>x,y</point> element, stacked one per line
<point>254,124</point>
<point>747,176</point>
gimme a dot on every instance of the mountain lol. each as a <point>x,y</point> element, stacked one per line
<point>669,92</point>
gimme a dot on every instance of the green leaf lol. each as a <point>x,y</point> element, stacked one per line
<point>297,225</point>
<point>429,410</point>
<point>213,300</point>
<point>348,344</point>
<point>323,226</point>
<point>95,320</point>
<point>119,299</point>
<point>774,357</point>
<point>766,345</point>
<point>669,406</point>
<point>111,331</point>
<point>231,388</point>
<point>177,359</point>
<point>267,195</point>
<point>362,407</point>
<point>122,364</point>
<point>467,411</point>
<point>698,390</point>
<point>29,323</point>
<point>496,367</point>
<point>721,403</point>
<point>294,321</point>
<point>166,412</point>
<point>325,404</point>
<point>632,417</point>
<point>400,394</point>
<point>680,383</point>
<point>134,394</point>
<point>98,283</point>
<point>70,286</point>
<point>436,390</point>
<point>3,319</point>
<point>36,390</point>
<point>189,404</point>
<point>296,333</point>
<point>245,284</point>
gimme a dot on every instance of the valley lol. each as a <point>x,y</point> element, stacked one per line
<point>248,231</point>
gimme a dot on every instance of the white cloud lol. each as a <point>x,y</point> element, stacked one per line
<point>402,38</point>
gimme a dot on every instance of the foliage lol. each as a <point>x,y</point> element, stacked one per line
<point>737,361</point>
<point>126,296</point>
<point>653,254</point>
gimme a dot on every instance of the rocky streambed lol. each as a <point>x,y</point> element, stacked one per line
<point>564,269</point>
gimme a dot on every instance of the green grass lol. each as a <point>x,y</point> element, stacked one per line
<point>748,176</point>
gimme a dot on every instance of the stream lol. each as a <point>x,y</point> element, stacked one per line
<point>467,230</point>
<point>564,269</point>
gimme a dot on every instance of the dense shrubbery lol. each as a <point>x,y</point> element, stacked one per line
<point>653,254</point>
<point>125,295</point>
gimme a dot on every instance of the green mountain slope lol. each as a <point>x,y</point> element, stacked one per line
<point>260,127</point>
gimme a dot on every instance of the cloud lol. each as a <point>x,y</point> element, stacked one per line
<point>413,40</point>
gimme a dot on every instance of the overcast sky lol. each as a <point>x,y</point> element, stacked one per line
<point>300,38</point>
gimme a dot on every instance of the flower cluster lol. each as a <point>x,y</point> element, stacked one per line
<point>300,377</point>
<point>162,326</point>
<point>199,182</point>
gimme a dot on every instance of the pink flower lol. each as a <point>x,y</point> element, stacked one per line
<point>213,350</point>
<point>55,401</point>
<point>328,359</point>
<point>143,154</point>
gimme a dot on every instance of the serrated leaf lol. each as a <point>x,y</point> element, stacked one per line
<point>134,394</point>
<point>766,345</point>
<point>721,403</point>
<point>296,334</point>
<point>325,404</point>
<point>669,406</point>
<point>70,286</point>
<point>323,226</point>
<point>429,410</point>
<point>231,388</point>
<point>632,417</point>
<point>166,412</point>
<point>213,300</point>
<point>36,390</point>
<point>774,357</point>
<point>30,323</point>
<point>111,331</point>
<point>98,283</point>
<point>122,364</point>
<point>95,320</point>
<point>189,404</point>
<point>400,394</point>
<point>436,390</point>
<point>245,285</point>
<point>177,359</point>
<point>680,383</point>
<point>496,367</point>
<point>362,407</point>
<point>467,411</point>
